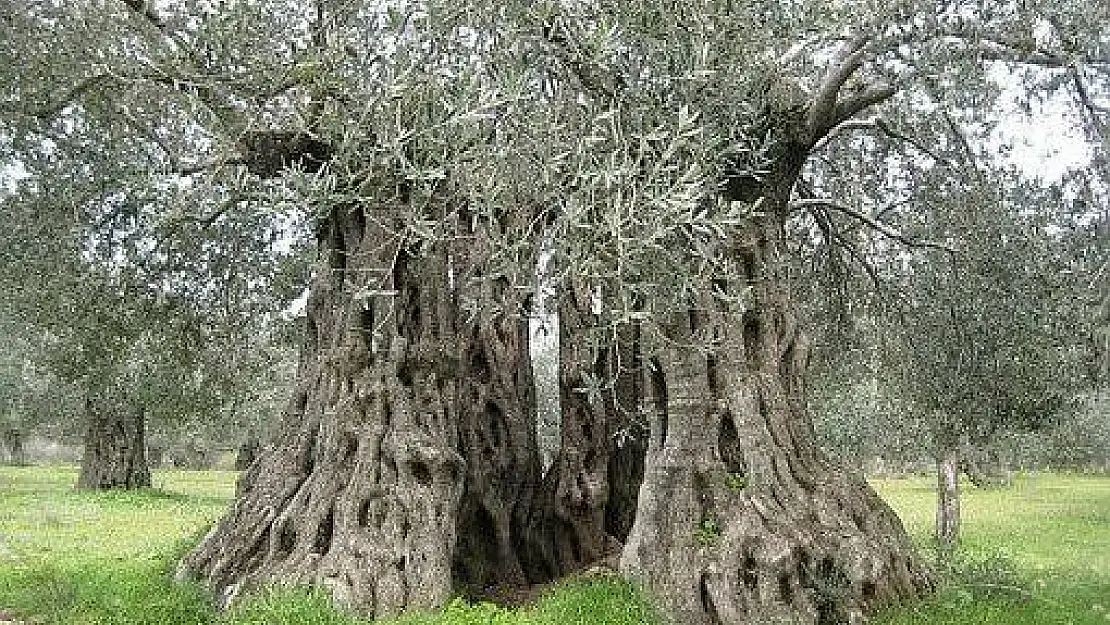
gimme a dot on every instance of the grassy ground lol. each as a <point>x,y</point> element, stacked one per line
<point>1036,553</point>
<point>75,558</point>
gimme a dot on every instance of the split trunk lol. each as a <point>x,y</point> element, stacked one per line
<point>406,466</point>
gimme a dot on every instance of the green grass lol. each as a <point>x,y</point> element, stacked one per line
<point>74,558</point>
<point>77,558</point>
<point>1036,553</point>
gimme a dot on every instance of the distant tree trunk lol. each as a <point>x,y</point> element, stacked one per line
<point>248,451</point>
<point>404,464</point>
<point>948,498</point>
<point>115,445</point>
<point>13,441</point>
<point>740,518</point>
<point>155,455</point>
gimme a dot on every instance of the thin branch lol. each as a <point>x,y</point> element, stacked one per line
<point>997,48</point>
<point>588,75</point>
<point>972,159</point>
<point>217,101</point>
<point>203,221</point>
<point>202,167</point>
<point>145,9</point>
<point>870,222</point>
<point>1094,111</point>
<point>75,93</point>
<point>878,123</point>
<point>837,239</point>
<point>894,134</point>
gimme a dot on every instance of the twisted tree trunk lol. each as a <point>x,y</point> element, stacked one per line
<point>497,419</point>
<point>406,465</point>
<point>359,491</point>
<point>584,508</point>
<point>406,461</point>
<point>740,518</point>
<point>115,443</point>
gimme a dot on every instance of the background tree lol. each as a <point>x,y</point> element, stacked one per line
<point>16,420</point>
<point>988,332</point>
<point>135,296</point>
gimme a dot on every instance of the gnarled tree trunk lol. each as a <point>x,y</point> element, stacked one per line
<point>497,418</point>
<point>404,464</point>
<point>583,510</point>
<point>115,443</point>
<point>359,490</point>
<point>740,518</point>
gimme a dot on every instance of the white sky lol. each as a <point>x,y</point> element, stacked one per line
<point>1047,142</point>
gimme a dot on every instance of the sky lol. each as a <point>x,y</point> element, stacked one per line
<point>1047,142</point>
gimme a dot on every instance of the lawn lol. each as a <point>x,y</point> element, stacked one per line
<point>1038,552</point>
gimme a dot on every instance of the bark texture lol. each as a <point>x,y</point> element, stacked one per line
<point>740,518</point>
<point>497,418</point>
<point>406,459</point>
<point>115,444</point>
<point>406,465</point>
<point>584,508</point>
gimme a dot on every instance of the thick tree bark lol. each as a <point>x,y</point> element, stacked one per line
<point>948,498</point>
<point>406,466</point>
<point>359,491</point>
<point>115,444</point>
<point>498,443</point>
<point>629,435</point>
<point>405,462</point>
<point>740,518</point>
<point>585,505</point>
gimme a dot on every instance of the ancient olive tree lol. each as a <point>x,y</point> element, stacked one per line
<point>655,150</point>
